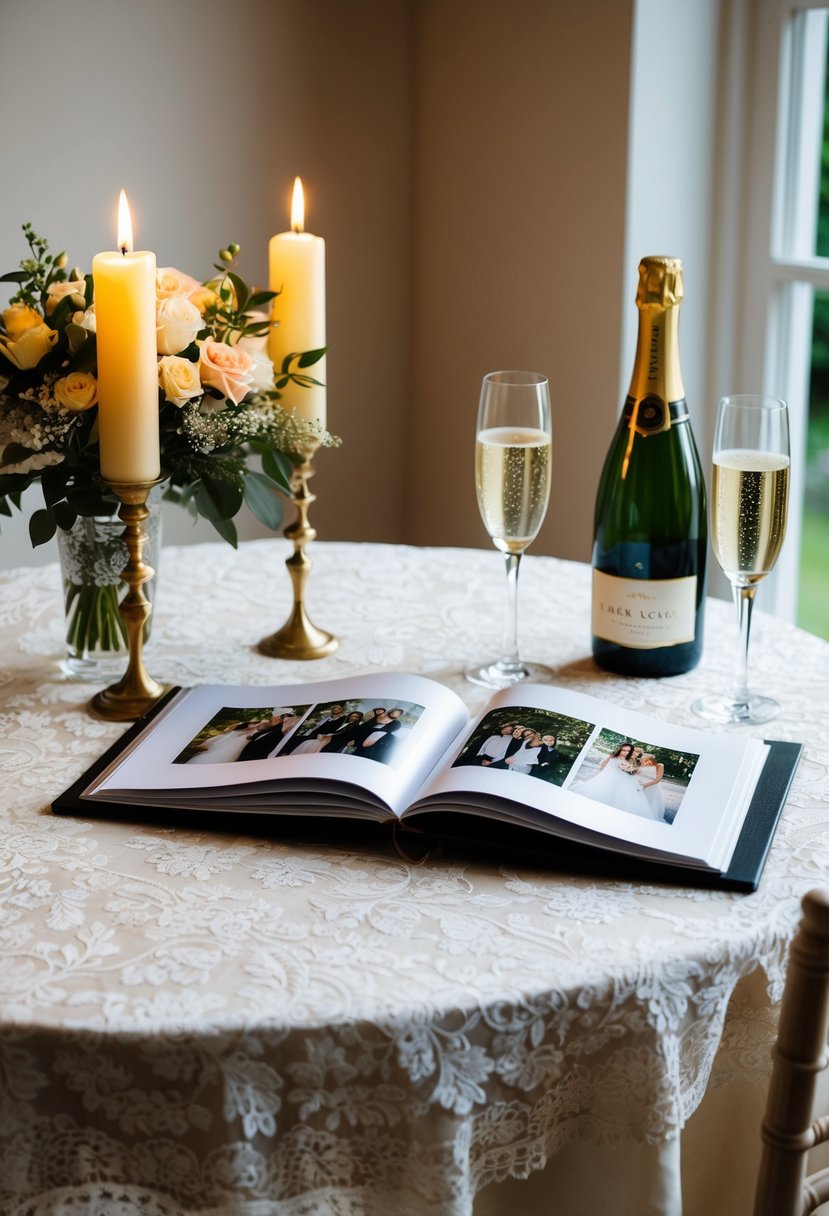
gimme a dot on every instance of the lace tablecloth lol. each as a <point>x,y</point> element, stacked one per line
<point>197,1022</point>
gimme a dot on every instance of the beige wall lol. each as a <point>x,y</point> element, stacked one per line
<point>205,113</point>
<point>521,113</point>
<point>465,160</point>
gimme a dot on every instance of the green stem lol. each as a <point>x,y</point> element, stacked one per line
<point>93,619</point>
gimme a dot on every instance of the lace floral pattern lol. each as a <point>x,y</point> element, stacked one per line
<point>197,1022</point>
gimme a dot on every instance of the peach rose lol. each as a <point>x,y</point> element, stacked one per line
<point>17,318</point>
<point>179,379</point>
<point>76,392</point>
<point>27,351</point>
<point>171,283</point>
<point>177,322</point>
<point>226,368</point>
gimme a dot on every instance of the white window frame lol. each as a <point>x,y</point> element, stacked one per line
<point>774,179</point>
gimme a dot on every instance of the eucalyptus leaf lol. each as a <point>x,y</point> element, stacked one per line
<point>227,530</point>
<point>279,468</point>
<point>309,357</point>
<point>75,337</point>
<point>42,527</point>
<point>14,453</point>
<point>262,500</point>
<point>241,289</point>
<point>64,516</point>
<point>53,481</point>
<point>216,500</point>
<point>258,298</point>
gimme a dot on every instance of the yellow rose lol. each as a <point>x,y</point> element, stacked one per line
<point>76,392</point>
<point>17,318</point>
<point>30,347</point>
<point>179,379</point>
<point>56,292</point>
<point>202,297</point>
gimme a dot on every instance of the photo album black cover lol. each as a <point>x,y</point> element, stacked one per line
<point>564,778</point>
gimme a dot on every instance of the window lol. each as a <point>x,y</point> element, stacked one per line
<point>785,340</point>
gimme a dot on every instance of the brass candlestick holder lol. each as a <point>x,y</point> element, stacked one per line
<point>299,637</point>
<point>136,691</point>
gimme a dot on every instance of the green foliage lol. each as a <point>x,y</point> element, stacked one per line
<point>36,273</point>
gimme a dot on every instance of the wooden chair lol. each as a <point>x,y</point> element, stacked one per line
<point>799,1055</point>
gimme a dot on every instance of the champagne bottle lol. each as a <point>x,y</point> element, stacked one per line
<point>650,535</point>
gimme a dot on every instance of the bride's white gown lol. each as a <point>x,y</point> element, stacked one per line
<point>221,749</point>
<point>613,786</point>
<point>654,795</point>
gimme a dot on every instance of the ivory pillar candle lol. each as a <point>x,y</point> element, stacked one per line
<point>297,272</point>
<point>127,360</point>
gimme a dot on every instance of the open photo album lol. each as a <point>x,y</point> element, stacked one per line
<point>549,770</point>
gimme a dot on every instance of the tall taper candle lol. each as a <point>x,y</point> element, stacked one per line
<point>297,272</point>
<point>127,360</point>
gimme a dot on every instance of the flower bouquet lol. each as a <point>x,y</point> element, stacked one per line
<point>219,411</point>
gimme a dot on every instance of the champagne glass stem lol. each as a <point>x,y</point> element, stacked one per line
<point>744,600</point>
<point>509,648</point>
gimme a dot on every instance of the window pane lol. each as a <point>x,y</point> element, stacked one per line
<point>813,600</point>
<point>813,592</point>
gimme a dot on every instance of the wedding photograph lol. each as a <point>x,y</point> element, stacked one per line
<point>242,734</point>
<point>535,742</point>
<point>636,776</point>
<point>356,728</point>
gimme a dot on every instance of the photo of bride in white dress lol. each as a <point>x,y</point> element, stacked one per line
<point>635,776</point>
<point>617,784</point>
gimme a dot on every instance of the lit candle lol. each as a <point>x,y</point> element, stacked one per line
<point>297,272</point>
<point>127,360</point>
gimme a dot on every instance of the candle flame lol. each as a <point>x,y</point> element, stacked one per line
<point>124,224</point>
<point>298,207</point>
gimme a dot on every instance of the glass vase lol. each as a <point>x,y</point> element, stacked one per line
<point>92,559</point>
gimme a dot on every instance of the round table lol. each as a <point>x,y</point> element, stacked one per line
<point>198,1022</point>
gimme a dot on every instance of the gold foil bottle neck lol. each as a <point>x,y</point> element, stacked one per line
<point>660,282</point>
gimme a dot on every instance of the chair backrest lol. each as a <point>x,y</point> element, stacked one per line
<point>799,1055</point>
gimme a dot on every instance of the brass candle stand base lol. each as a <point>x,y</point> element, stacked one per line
<point>299,637</point>
<point>136,691</point>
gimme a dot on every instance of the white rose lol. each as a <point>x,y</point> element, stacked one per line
<point>252,342</point>
<point>177,322</point>
<point>86,320</point>
<point>55,292</point>
<point>261,371</point>
<point>179,379</point>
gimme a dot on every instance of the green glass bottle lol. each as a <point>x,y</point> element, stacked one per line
<point>650,534</point>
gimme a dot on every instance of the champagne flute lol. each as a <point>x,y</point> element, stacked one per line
<point>749,491</point>
<point>513,450</point>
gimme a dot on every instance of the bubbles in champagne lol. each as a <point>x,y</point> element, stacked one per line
<point>750,496</point>
<point>512,479</point>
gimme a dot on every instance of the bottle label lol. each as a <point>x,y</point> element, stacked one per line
<point>644,613</point>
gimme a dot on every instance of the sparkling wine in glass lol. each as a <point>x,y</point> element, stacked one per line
<point>749,493</point>
<point>513,450</point>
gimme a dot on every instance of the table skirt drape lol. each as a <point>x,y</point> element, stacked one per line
<point>198,1021</point>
